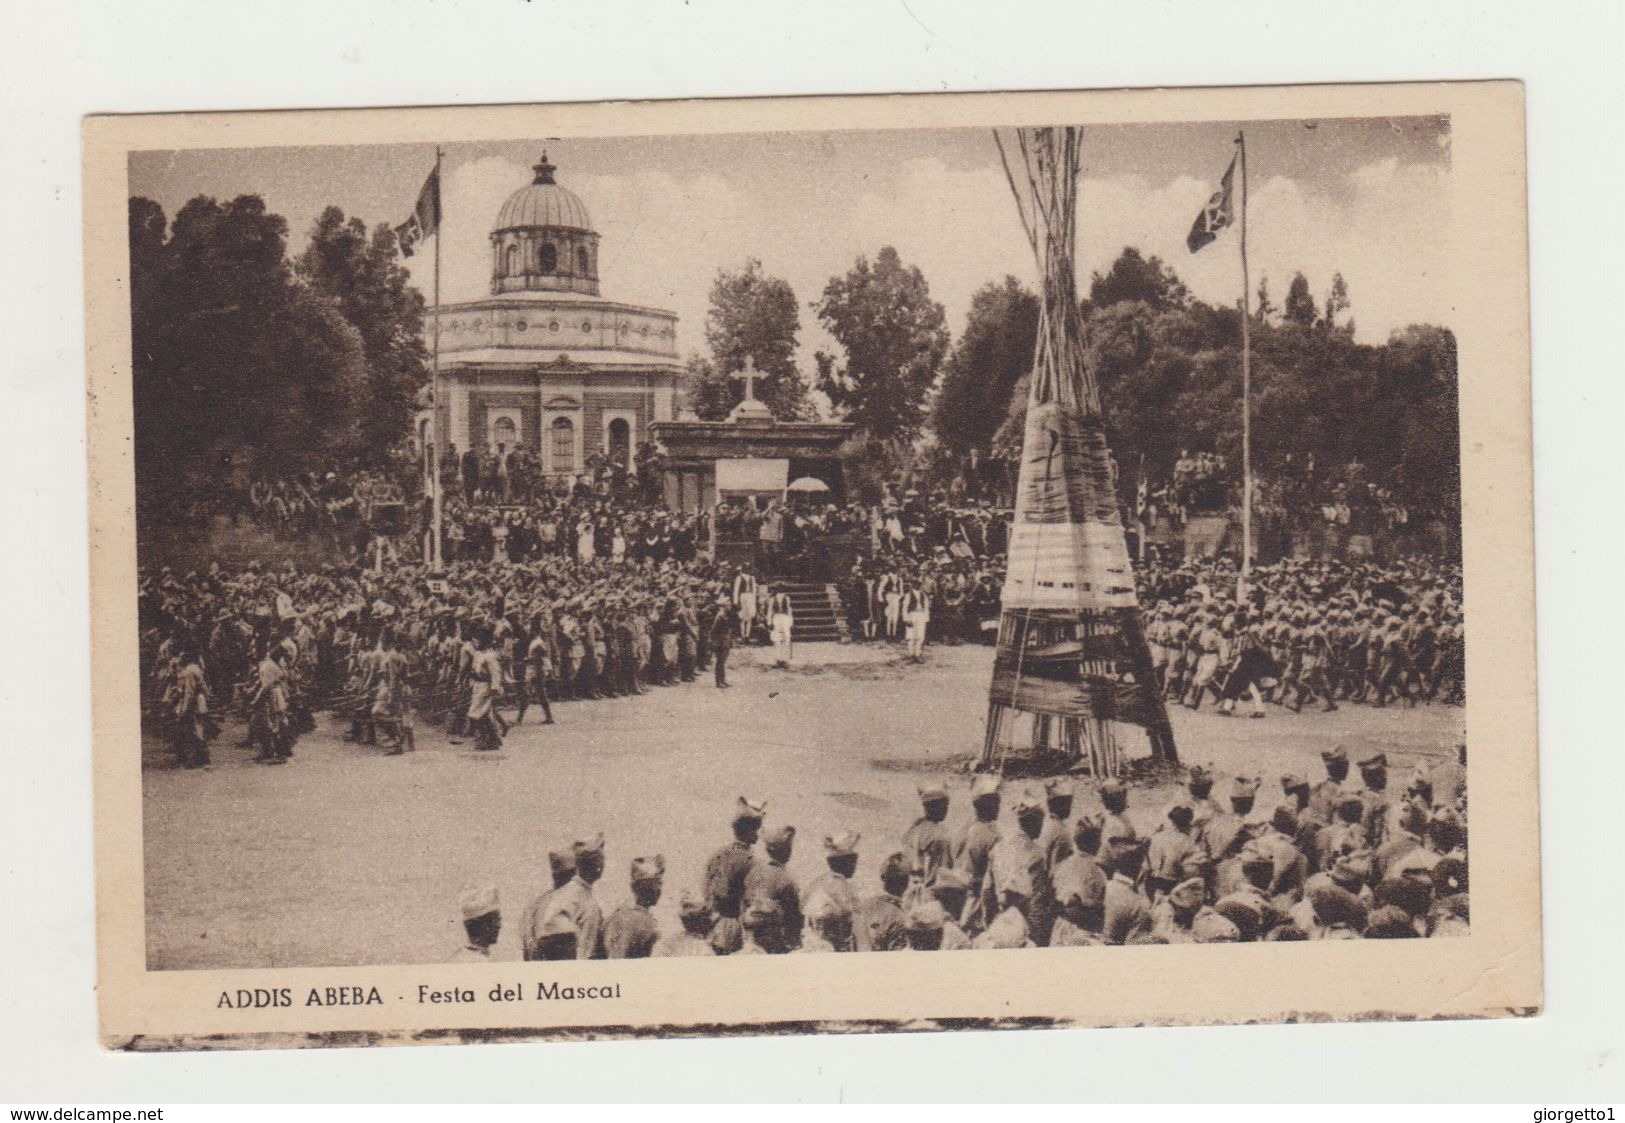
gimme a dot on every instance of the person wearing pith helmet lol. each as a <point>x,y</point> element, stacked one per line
<point>763,928</point>
<point>1326,795</point>
<point>1055,840</point>
<point>578,902</point>
<point>879,922</point>
<point>631,931</point>
<point>841,862</point>
<point>927,843</point>
<point>772,881</point>
<point>924,926</point>
<point>829,924</point>
<point>972,848</point>
<point>1375,813</point>
<point>948,888</point>
<point>562,865</point>
<point>1199,785</point>
<point>725,876</point>
<point>694,937</point>
<point>1115,824</point>
<point>482,923</point>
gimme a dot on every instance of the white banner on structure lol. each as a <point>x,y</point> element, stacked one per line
<point>752,474</point>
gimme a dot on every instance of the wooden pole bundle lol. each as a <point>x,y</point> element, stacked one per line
<point>1072,652</point>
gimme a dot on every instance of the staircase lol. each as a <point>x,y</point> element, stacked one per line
<point>818,613</point>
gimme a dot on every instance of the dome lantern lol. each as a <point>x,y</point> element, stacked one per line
<point>543,240</point>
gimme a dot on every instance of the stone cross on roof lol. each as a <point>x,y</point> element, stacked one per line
<point>750,374</point>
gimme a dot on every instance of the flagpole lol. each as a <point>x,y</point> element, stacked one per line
<point>1246,381</point>
<point>442,421</point>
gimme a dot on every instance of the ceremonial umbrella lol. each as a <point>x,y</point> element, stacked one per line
<point>809,485</point>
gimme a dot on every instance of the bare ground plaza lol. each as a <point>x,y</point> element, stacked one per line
<point>348,857</point>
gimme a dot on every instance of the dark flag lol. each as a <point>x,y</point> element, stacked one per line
<point>1214,217</point>
<point>425,220</point>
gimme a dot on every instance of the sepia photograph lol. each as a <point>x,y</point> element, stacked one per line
<point>551,537</point>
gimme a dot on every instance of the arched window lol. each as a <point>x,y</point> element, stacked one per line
<point>550,258</point>
<point>620,441</point>
<point>513,261</point>
<point>581,261</point>
<point>504,434</point>
<point>564,445</point>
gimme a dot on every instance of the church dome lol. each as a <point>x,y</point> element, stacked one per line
<point>543,202</point>
<point>544,241</point>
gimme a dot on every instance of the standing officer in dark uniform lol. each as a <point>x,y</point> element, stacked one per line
<point>724,623</point>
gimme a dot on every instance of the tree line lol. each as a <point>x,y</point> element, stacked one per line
<point>248,361</point>
<point>1168,366</point>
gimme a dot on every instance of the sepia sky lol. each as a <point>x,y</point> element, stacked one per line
<point>1367,197</point>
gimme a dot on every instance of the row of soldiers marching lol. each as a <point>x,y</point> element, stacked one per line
<point>1331,861</point>
<point>1303,653</point>
<point>381,669</point>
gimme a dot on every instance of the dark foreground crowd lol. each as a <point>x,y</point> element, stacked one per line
<point>1333,860</point>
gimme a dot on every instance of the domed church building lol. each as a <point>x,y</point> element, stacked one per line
<point>546,361</point>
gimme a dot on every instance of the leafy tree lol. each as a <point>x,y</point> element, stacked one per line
<point>362,277</point>
<point>237,366</point>
<point>893,336</point>
<point>1134,277</point>
<point>993,352</point>
<point>1337,301</point>
<point>1300,306</point>
<point>752,316</point>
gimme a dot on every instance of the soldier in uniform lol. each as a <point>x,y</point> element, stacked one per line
<point>482,923</point>
<point>1199,786</point>
<point>1055,839</point>
<point>1127,914</point>
<point>1376,810</point>
<point>829,924</point>
<point>1328,793</point>
<point>1114,824</point>
<point>191,711</point>
<point>1249,906</point>
<point>631,931</point>
<point>725,876</point>
<point>1079,885</point>
<point>924,926</point>
<point>1173,917</point>
<point>1173,855</point>
<point>1225,834</point>
<point>771,881</point>
<point>578,904</point>
<point>879,920</point>
<point>694,938</point>
<point>485,678</point>
<point>724,621</point>
<point>841,860</point>
<point>1018,858</point>
<point>947,887</point>
<point>538,663</point>
<point>926,843</point>
<point>971,850</point>
<point>562,864</point>
<point>763,928</point>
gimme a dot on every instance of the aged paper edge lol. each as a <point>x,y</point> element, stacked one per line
<point>1496,971</point>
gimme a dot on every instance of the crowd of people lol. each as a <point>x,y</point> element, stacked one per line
<point>1297,495</point>
<point>588,596</point>
<point>1332,860</point>
<point>383,649</point>
<point>1301,632</point>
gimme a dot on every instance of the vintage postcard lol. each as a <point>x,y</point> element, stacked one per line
<point>654,569</point>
